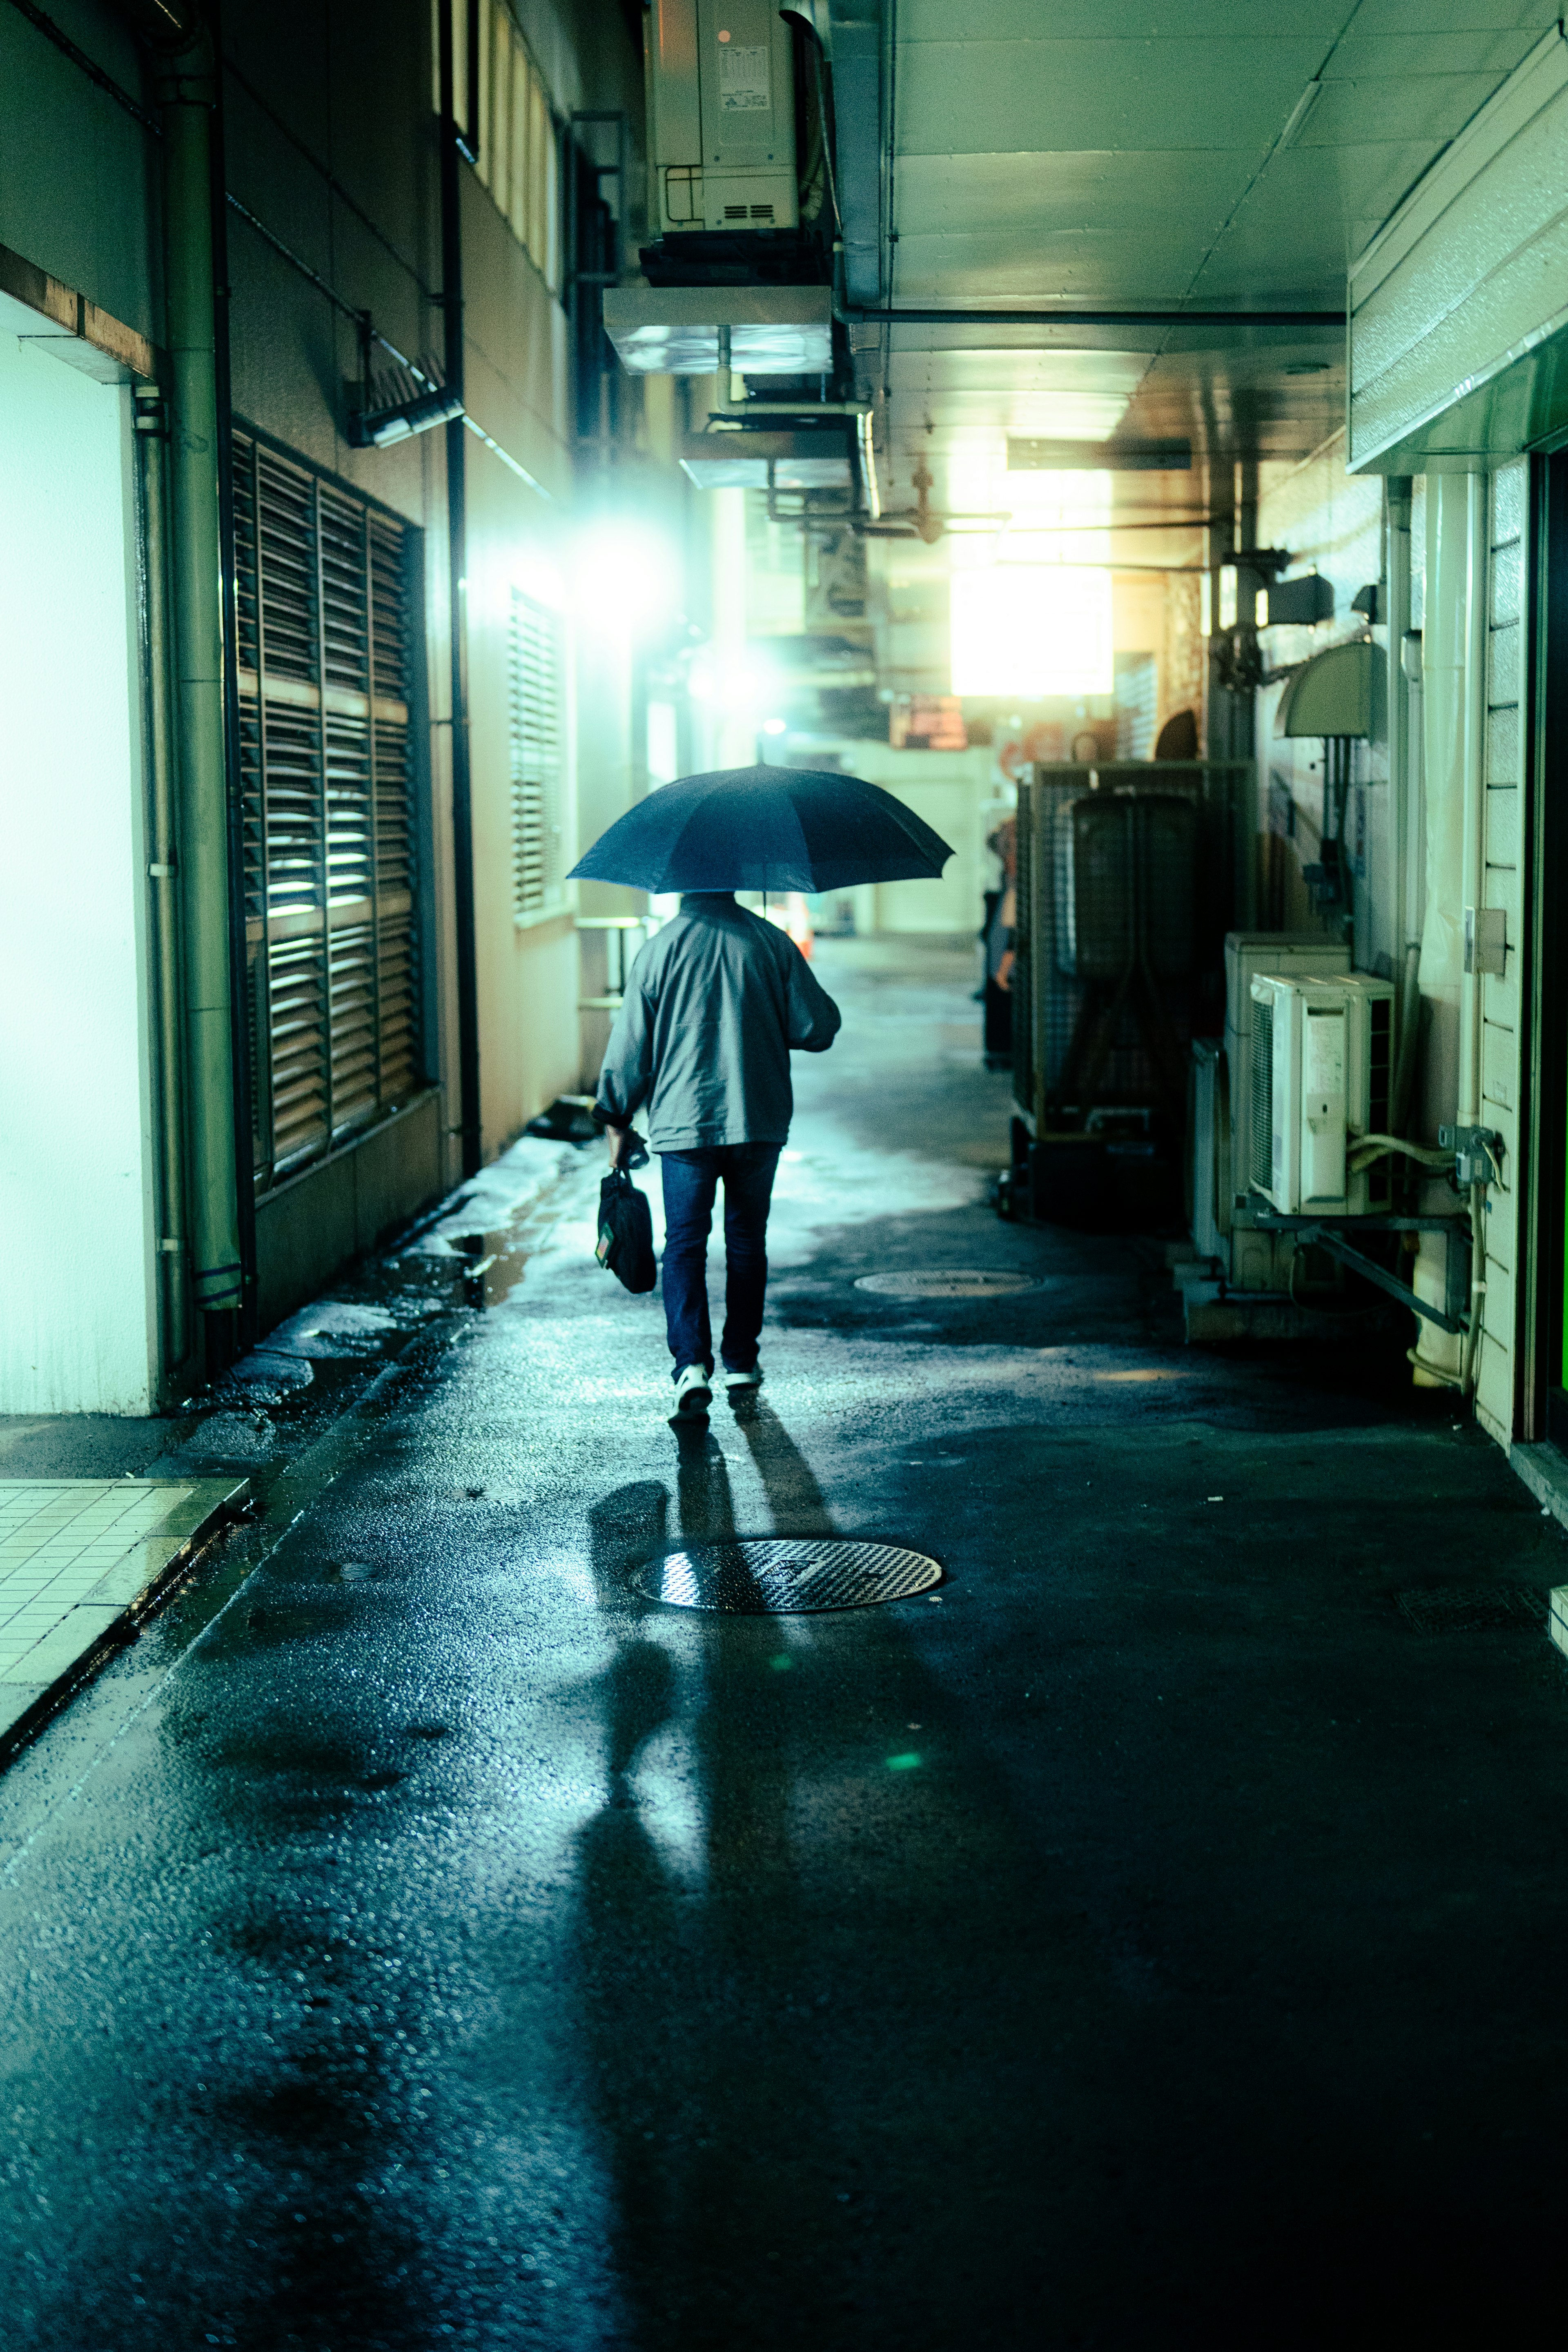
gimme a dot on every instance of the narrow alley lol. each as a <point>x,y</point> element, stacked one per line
<point>421,1935</point>
<point>936,634</point>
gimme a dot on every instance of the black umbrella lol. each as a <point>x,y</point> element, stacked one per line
<point>764,829</point>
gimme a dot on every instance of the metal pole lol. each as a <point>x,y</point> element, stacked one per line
<point>162,868</point>
<point>1474,872</point>
<point>457,571</point>
<point>187,95</point>
<point>1396,491</point>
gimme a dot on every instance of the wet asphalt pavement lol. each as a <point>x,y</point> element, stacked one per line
<point>1153,1938</point>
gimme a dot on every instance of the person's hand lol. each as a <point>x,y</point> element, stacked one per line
<point>620,1140</point>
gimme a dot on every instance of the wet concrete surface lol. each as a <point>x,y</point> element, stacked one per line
<point>1150,1938</point>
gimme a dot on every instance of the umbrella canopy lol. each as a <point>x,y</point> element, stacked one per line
<point>764,829</point>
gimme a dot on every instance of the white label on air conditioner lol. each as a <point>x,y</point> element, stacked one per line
<point>1324,1054</point>
<point>742,80</point>
<point>1322,1108</point>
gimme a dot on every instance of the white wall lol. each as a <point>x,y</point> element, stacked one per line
<point>952,792</point>
<point>77,1244</point>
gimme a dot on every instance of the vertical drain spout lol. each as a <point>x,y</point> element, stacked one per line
<point>188,98</point>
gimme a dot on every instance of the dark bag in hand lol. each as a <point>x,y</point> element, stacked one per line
<point>626,1233</point>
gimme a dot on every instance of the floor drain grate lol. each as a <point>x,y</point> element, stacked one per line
<point>1470,1609</point>
<point>776,1576</point>
<point>946,1282</point>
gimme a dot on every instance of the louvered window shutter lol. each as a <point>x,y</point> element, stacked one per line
<point>537,811</point>
<point>332,950</point>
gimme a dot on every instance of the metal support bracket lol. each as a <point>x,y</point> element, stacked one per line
<point>1321,1237</point>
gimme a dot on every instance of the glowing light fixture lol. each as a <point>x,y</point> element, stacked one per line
<point>624,576</point>
<point>1031,629</point>
<point>738,686</point>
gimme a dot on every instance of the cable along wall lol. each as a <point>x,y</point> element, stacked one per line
<point>326,779</point>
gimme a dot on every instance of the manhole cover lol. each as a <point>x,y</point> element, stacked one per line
<point>946,1282</point>
<point>774,1576</point>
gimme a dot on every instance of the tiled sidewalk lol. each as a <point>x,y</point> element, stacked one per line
<point>77,1555</point>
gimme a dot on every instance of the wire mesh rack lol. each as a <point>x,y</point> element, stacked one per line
<point>1130,874</point>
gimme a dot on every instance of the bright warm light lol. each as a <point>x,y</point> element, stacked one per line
<point>736,687</point>
<point>775,726</point>
<point>663,743</point>
<point>1031,629</point>
<point>624,576</point>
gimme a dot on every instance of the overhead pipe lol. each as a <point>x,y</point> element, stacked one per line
<point>469,1130</point>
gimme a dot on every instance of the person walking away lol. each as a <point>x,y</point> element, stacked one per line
<point>716,1003</point>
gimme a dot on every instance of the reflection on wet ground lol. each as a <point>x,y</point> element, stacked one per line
<point>430,1937</point>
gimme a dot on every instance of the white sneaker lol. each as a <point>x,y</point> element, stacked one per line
<point>693,1395</point>
<point>733,1381</point>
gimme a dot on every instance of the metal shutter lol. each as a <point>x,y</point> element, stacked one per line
<point>326,773</point>
<point>537,827</point>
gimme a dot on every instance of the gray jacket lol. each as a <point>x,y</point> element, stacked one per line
<point>714,1004</point>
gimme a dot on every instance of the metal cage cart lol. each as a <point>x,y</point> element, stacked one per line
<point>1130,874</point>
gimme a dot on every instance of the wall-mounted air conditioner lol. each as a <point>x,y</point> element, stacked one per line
<point>1322,1058</point>
<point>720,110</point>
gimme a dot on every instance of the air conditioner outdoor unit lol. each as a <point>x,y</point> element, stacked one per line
<point>721,114</point>
<point>1323,1054</point>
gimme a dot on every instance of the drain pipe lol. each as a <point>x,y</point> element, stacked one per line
<point>1473,893</point>
<point>1407,944</point>
<point>187,98</point>
<point>1397,495</point>
<point>162,868</point>
<point>470,1134</point>
<point>1445,661</point>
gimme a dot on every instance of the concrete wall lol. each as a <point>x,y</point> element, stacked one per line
<point>328,129</point>
<point>79,1266</point>
<point>78,173</point>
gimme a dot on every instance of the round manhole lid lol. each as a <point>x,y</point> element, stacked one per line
<point>780,1576</point>
<point>946,1282</point>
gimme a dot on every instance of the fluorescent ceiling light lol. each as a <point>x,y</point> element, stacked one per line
<point>1031,630</point>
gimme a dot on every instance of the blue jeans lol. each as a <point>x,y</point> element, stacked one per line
<point>690,1184</point>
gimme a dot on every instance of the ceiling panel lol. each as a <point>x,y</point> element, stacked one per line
<point>1093,190</point>
<point>1024,20</point>
<point>993,97</point>
<point>1040,227</point>
<point>1315,208</point>
<point>1423,17</point>
<point>1128,153</point>
<point>1433,107</point>
<point>1400,56</point>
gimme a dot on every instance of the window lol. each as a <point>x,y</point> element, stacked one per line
<point>515,134</point>
<point>326,654</point>
<point>538,794</point>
